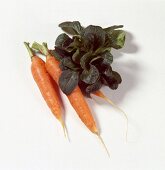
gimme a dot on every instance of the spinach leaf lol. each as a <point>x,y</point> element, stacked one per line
<point>68,81</point>
<point>113,79</point>
<point>90,76</point>
<point>117,39</point>
<point>93,87</point>
<point>73,28</point>
<point>117,77</point>
<point>85,60</point>
<point>93,37</point>
<point>67,62</point>
<point>107,58</point>
<point>77,56</point>
<point>63,41</point>
<point>59,53</point>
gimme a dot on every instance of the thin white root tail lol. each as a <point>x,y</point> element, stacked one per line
<point>125,115</point>
<point>65,130</point>
<point>102,142</point>
<point>100,94</point>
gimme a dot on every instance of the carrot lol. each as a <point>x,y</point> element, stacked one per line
<point>101,94</point>
<point>76,98</point>
<point>45,84</point>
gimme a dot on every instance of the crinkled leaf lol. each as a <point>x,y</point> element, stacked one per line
<point>67,62</point>
<point>85,60</point>
<point>90,76</point>
<point>77,56</point>
<point>76,42</point>
<point>73,28</point>
<point>93,37</point>
<point>55,54</point>
<point>59,53</point>
<point>68,81</point>
<point>117,77</point>
<point>107,58</point>
<point>112,80</point>
<point>107,71</point>
<point>62,67</point>
<point>96,59</point>
<point>117,39</point>
<point>93,87</point>
<point>63,40</point>
<point>109,29</point>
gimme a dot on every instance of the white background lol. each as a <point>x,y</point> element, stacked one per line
<point>32,139</point>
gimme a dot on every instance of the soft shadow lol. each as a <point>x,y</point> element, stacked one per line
<point>130,47</point>
<point>129,71</point>
<point>130,80</point>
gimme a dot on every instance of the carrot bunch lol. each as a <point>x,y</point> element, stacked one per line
<point>44,73</point>
<point>86,60</point>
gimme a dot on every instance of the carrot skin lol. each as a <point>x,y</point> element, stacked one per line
<point>44,82</point>
<point>76,98</point>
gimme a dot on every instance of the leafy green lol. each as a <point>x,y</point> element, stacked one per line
<point>117,39</point>
<point>107,58</point>
<point>67,62</point>
<point>68,81</point>
<point>56,55</point>
<point>93,87</point>
<point>93,37</point>
<point>85,59</point>
<point>112,79</point>
<point>90,76</point>
<point>86,55</point>
<point>63,40</point>
<point>73,28</point>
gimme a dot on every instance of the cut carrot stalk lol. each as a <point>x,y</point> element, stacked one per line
<point>44,82</point>
<point>100,94</point>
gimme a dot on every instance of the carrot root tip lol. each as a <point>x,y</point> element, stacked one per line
<point>103,143</point>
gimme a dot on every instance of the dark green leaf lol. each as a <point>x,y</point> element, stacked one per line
<point>59,53</point>
<point>107,71</point>
<point>95,59</point>
<point>67,62</point>
<point>117,39</point>
<point>112,80</point>
<point>90,76</point>
<point>107,58</point>
<point>109,29</point>
<point>68,81</point>
<point>62,67</point>
<point>93,87</point>
<point>85,60</point>
<point>93,37</point>
<point>117,77</point>
<point>73,28</point>
<point>76,56</point>
<point>56,55</point>
<point>63,40</point>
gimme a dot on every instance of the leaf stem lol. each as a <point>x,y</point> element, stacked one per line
<point>30,51</point>
<point>41,48</point>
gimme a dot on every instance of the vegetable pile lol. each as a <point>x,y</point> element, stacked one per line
<point>79,65</point>
<point>85,57</point>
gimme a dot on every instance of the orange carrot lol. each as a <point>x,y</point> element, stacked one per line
<point>44,82</point>
<point>76,98</point>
